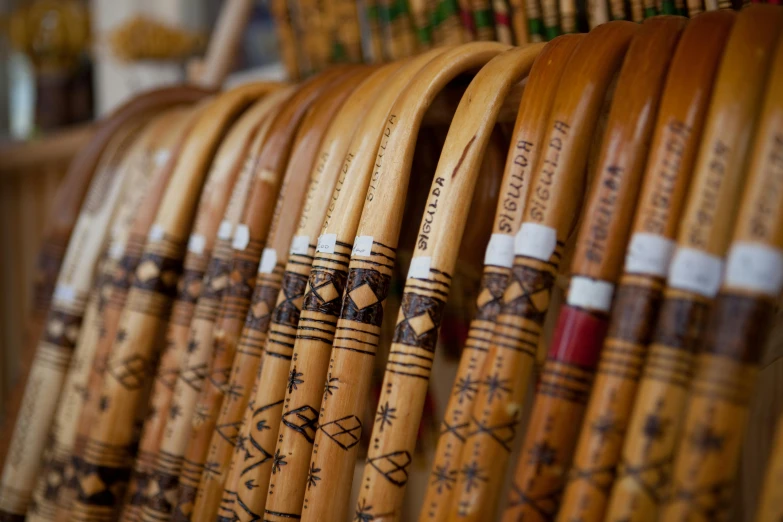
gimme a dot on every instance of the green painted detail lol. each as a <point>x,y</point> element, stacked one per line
<point>668,7</point>
<point>372,12</point>
<point>535,26</point>
<point>649,12</point>
<point>338,52</point>
<point>483,18</point>
<point>550,33</point>
<point>424,34</point>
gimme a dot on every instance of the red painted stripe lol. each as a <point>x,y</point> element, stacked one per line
<point>578,337</point>
<point>502,19</point>
<point>467,21</point>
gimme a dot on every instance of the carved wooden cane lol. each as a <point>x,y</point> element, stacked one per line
<point>268,282</point>
<point>520,22</point>
<point>673,153</point>
<point>770,509</point>
<point>64,212</point>
<point>285,316</point>
<point>695,272</point>
<point>502,18</point>
<point>249,239</point>
<point>550,18</point>
<point>63,323</point>
<point>253,464</point>
<point>526,141</point>
<point>145,160</point>
<point>116,291</point>
<point>705,469</point>
<point>568,16</point>
<point>555,196</point>
<point>159,497</point>
<point>108,450</point>
<point>224,174</point>
<point>597,12</point>
<point>316,331</point>
<point>410,357</point>
<point>567,375</point>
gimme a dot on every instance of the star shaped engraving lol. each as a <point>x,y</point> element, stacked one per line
<point>465,388</point>
<point>192,346</point>
<point>330,386</point>
<point>472,474</point>
<point>103,404</point>
<point>542,454</point>
<point>122,335</point>
<point>175,411</point>
<point>363,512</point>
<point>294,379</point>
<point>385,415</point>
<point>312,476</point>
<point>278,462</point>
<point>496,386</point>
<point>443,477</point>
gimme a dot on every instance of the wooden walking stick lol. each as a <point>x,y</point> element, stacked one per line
<point>168,461</point>
<point>555,196</point>
<point>449,30</point>
<point>63,323</point>
<point>145,160</point>
<point>316,330</point>
<point>225,173</point>
<point>568,16</point>
<point>351,362</point>
<point>502,18</point>
<point>567,375</point>
<point>673,153</point>
<point>598,12</point>
<point>705,469</point>
<point>770,509</point>
<point>104,470</point>
<point>285,316</point>
<point>248,354</point>
<point>695,271</point>
<point>249,239</point>
<point>116,291</point>
<point>526,142</point>
<point>63,215</point>
<point>519,22</point>
<point>251,466</point>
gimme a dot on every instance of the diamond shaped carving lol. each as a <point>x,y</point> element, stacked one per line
<point>393,466</point>
<point>514,291</point>
<point>484,297</point>
<point>421,323</point>
<point>260,309</point>
<point>147,270</point>
<point>303,420</point>
<point>92,484</point>
<point>327,292</point>
<point>363,296</point>
<point>345,432</point>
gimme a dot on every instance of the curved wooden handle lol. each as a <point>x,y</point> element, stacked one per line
<point>224,42</point>
<point>695,271</point>
<point>672,154</point>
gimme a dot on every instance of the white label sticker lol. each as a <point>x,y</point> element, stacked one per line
<point>196,244</point>
<point>362,246</point>
<point>500,251</point>
<point>116,250</point>
<point>64,293</point>
<point>420,267</point>
<point>649,254</point>
<point>268,261</point>
<point>156,233</point>
<point>300,245</point>
<point>755,267</point>
<point>162,157</point>
<point>224,230</point>
<point>592,294</point>
<point>326,243</point>
<point>696,271</point>
<point>241,237</point>
<point>536,241</point>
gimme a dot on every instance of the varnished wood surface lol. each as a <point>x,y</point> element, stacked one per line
<point>342,216</point>
<point>705,468</point>
<point>526,145</point>
<point>248,356</point>
<point>108,450</point>
<point>116,288</point>
<point>326,173</point>
<point>249,240</point>
<point>145,160</point>
<point>705,232</point>
<point>555,196</point>
<point>672,155</point>
<point>168,461</point>
<point>63,323</point>
<point>223,178</point>
<point>61,219</point>
<point>567,375</point>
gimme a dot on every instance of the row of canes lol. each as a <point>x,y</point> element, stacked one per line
<point>209,345</point>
